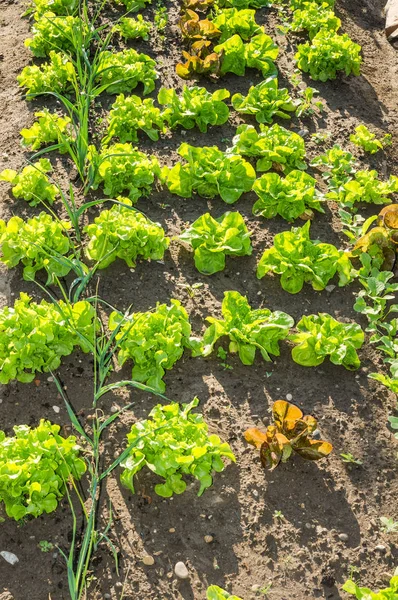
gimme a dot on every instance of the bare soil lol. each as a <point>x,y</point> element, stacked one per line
<point>301,555</point>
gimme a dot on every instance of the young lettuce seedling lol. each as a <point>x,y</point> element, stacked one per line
<point>290,433</point>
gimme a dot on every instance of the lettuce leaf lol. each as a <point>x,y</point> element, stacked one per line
<point>214,239</point>
<point>300,260</point>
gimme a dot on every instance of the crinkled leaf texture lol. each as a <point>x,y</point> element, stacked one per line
<point>38,243</point>
<point>154,340</point>
<point>210,172</point>
<point>290,197</point>
<point>273,145</point>
<point>35,465</point>
<point>34,337</point>
<point>123,232</point>
<point>32,183</point>
<point>248,329</point>
<point>321,335</point>
<point>214,239</point>
<point>172,443</point>
<point>122,168</point>
<point>299,260</point>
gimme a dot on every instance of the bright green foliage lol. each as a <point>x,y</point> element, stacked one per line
<point>36,243</point>
<point>367,140</point>
<point>130,114</point>
<point>209,172</point>
<point>35,465</point>
<point>320,336</point>
<point>194,107</point>
<point>55,76</point>
<point>295,4</point>
<point>216,593</point>
<point>214,239</point>
<point>174,442</point>
<point>123,71</point>
<point>54,33</point>
<point>307,104</point>
<point>289,197</point>
<point>122,168</point>
<point>33,337</point>
<point>361,593</point>
<point>231,21</point>
<point>328,53</point>
<point>248,329</point>
<point>298,260</point>
<point>134,5</point>
<point>125,233</point>
<point>241,4</point>
<point>131,29</point>
<point>48,129</point>
<point>59,7</point>
<point>274,145</point>
<point>260,53</point>
<point>32,183</point>
<point>265,101</point>
<point>340,166</point>
<point>313,17</point>
<point>154,340</point>
<point>365,187</point>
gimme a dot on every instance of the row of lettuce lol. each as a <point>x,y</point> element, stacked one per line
<point>173,442</point>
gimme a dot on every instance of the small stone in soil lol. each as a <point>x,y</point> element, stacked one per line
<point>56,409</point>
<point>208,539</point>
<point>181,571</point>
<point>289,397</point>
<point>148,560</point>
<point>9,557</point>
<point>380,548</point>
<point>343,537</point>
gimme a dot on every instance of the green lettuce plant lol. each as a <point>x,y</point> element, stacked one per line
<point>32,183</point>
<point>154,340</point>
<point>131,29</point>
<point>259,53</point>
<point>49,128</point>
<point>272,145</point>
<point>195,106</point>
<point>133,6</point>
<point>321,335</point>
<point>299,260</point>
<point>327,54</point>
<point>122,168</point>
<point>34,337</point>
<point>37,244</point>
<point>172,443</point>
<point>313,17</point>
<point>130,114</point>
<point>265,101</point>
<point>290,197</point>
<point>365,187</point>
<point>59,7</point>
<point>216,593</point>
<point>54,33</point>
<point>365,139</point>
<point>123,71</point>
<point>214,239</point>
<point>35,466</point>
<point>362,593</point>
<point>55,76</point>
<point>340,166</point>
<point>124,233</point>
<point>248,330</point>
<point>231,21</point>
<point>209,172</point>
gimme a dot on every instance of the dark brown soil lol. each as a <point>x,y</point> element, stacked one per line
<point>301,555</point>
